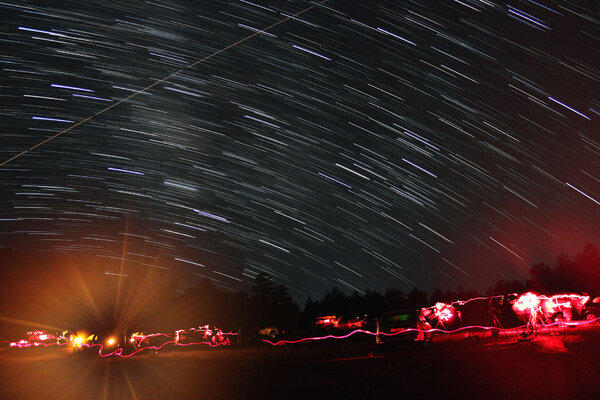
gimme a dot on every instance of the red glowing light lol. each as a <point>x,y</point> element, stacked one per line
<point>328,321</point>
<point>550,306</point>
<point>443,312</point>
<point>526,303</point>
<point>540,310</point>
<point>119,352</point>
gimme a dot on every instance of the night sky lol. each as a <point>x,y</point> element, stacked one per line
<point>359,144</point>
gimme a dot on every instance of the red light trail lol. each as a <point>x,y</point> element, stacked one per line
<point>540,310</point>
<point>527,304</point>
<point>216,338</point>
<point>434,330</point>
<point>119,352</point>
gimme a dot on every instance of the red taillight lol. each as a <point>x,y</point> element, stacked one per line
<point>394,330</point>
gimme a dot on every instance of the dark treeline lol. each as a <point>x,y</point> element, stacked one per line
<point>54,291</point>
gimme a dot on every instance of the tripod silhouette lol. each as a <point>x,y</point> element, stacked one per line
<point>492,319</point>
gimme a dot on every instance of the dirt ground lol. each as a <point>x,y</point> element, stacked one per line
<point>554,365</point>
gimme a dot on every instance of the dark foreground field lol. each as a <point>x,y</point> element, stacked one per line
<point>564,366</point>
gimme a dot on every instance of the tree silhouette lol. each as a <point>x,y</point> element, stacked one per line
<point>55,290</point>
<point>543,278</point>
<point>580,273</point>
<point>271,304</point>
<point>417,298</point>
<point>334,302</point>
<point>587,267</point>
<point>504,286</point>
<point>395,299</point>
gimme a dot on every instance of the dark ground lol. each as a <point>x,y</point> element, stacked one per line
<point>563,366</point>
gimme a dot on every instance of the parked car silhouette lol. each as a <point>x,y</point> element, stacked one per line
<point>591,309</point>
<point>400,326</point>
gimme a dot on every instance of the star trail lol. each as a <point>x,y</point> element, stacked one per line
<point>340,143</point>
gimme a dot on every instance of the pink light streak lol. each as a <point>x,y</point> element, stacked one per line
<point>119,352</point>
<point>21,344</point>
<point>415,330</point>
<point>463,302</point>
<point>528,302</point>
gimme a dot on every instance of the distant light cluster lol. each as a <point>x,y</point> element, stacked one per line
<point>137,343</point>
